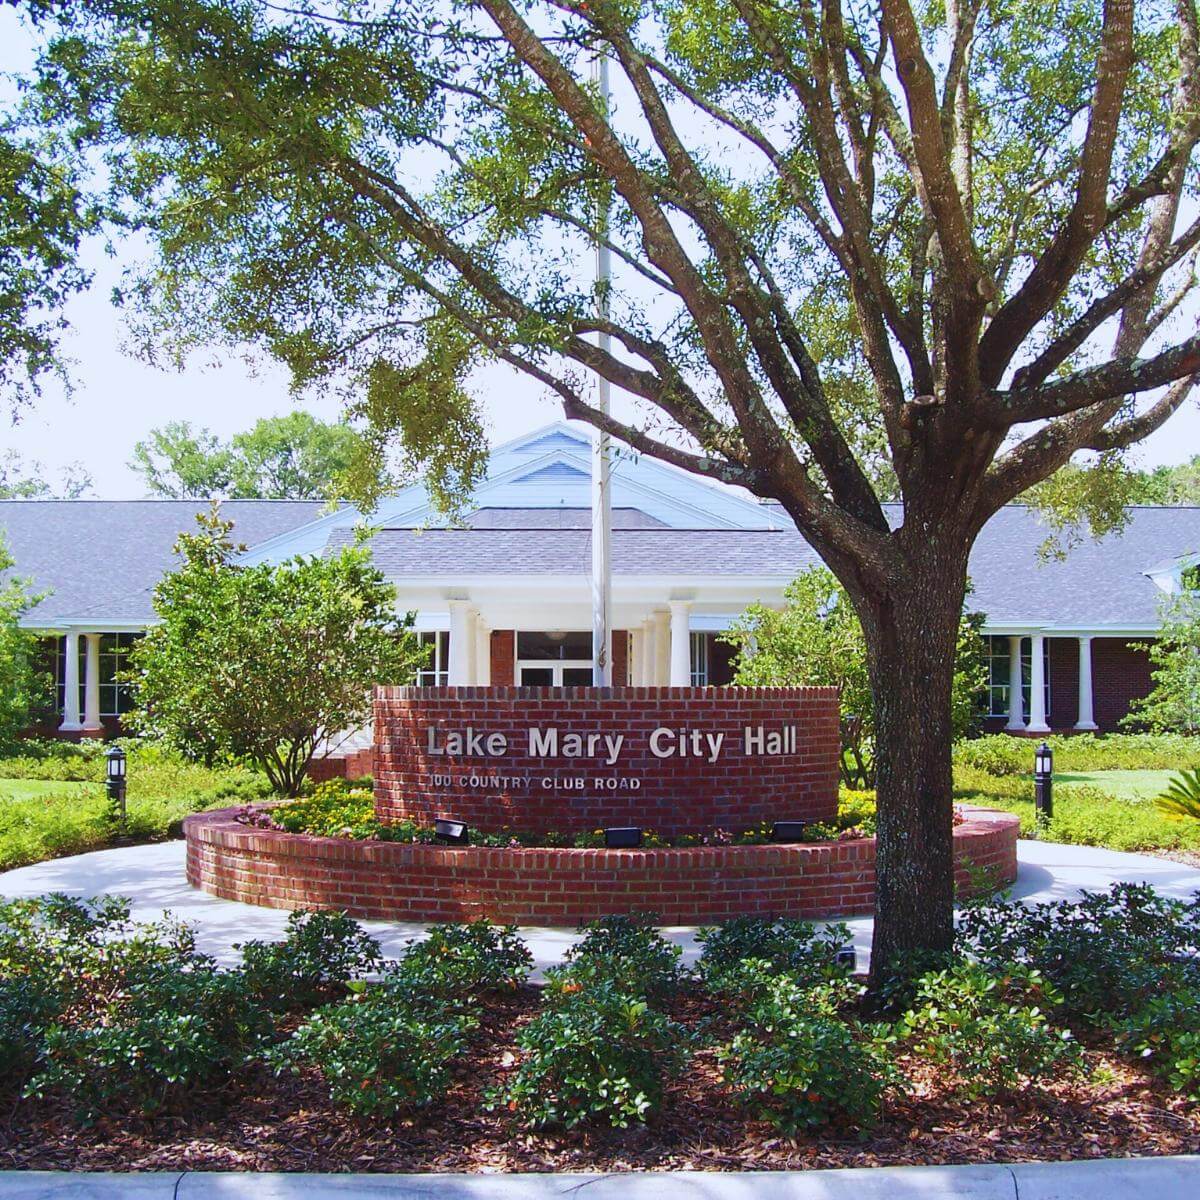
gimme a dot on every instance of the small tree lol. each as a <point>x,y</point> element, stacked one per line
<point>1173,705</point>
<point>816,640</point>
<point>23,688</point>
<point>264,662</point>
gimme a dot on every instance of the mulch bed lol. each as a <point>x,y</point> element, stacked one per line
<point>264,1123</point>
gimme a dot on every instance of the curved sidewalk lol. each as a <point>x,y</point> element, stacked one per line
<point>153,878</point>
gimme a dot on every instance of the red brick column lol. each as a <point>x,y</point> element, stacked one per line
<point>504,657</point>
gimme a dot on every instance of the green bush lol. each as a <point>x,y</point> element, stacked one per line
<point>378,1054</point>
<point>798,1064</point>
<point>597,1054</point>
<point>988,1028</point>
<point>174,1030</point>
<point>1104,953</point>
<point>1001,754</point>
<point>319,951</point>
<point>630,952</point>
<point>462,962</point>
<point>799,949</point>
<point>1165,1034</point>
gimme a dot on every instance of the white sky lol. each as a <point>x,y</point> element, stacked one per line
<point>117,400</point>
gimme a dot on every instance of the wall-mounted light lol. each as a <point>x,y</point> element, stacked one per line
<point>454,832</point>
<point>622,837</point>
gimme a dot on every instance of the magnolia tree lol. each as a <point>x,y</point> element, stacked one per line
<point>266,662</point>
<point>858,250</point>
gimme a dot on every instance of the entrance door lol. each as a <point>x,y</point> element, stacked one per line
<point>557,658</point>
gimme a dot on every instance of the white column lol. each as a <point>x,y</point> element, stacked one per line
<point>648,657</point>
<point>635,657</point>
<point>1037,687</point>
<point>681,644</point>
<point>483,653</point>
<point>91,684</point>
<point>462,644</point>
<point>1087,718</point>
<point>70,722</point>
<point>662,648</point>
<point>1016,701</point>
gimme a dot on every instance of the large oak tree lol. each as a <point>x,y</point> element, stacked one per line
<point>861,248</point>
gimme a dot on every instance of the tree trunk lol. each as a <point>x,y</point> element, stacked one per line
<point>911,641</point>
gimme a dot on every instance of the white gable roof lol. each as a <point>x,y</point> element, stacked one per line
<point>551,468</point>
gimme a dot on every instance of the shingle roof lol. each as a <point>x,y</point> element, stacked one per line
<point>1100,583</point>
<point>103,557</point>
<point>406,553</point>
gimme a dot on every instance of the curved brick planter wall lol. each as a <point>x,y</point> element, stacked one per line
<point>676,793</point>
<point>404,882</point>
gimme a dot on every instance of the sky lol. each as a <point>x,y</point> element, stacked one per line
<point>117,400</point>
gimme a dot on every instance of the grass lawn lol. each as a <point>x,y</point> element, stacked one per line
<point>1124,785</point>
<point>1113,809</point>
<point>27,789</point>
<point>44,818</point>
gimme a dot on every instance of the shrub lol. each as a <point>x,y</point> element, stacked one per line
<point>798,1064</point>
<point>377,1054</point>
<point>1105,953</point>
<point>319,951</point>
<point>28,1007</point>
<point>463,961</point>
<point>597,1054</point>
<point>629,951</point>
<point>988,1028</point>
<point>801,950</point>
<point>1001,754</point>
<point>174,1030</point>
<point>1165,1033</point>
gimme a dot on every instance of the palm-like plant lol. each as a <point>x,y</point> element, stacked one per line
<point>1182,798</point>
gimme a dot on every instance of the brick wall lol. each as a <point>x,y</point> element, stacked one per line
<point>1119,675</point>
<point>404,882</point>
<point>677,794</point>
<point>354,765</point>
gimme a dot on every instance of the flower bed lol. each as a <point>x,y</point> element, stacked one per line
<point>562,886</point>
<point>1065,1030</point>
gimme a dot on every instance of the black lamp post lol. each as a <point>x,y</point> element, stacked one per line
<point>1043,783</point>
<point>114,762</point>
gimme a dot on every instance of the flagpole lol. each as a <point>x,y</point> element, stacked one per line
<point>602,674</point>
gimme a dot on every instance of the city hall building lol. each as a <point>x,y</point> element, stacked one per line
<point>505,598</point>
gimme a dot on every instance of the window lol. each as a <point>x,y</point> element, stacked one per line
<point>998,675</point>
<point>554,659</point>
<point>436,671</point>
<point>699,660</point>
<point>116,698</point>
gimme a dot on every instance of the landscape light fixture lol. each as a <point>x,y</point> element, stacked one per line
<point>622,837</point>
<point>1043,783</point>
<point>454,832</point>
<point>114,777</point>
<point>847,956</point>
<point>788,831</point>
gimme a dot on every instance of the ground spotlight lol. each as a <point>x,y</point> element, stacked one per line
<point>623,837</point>
<point>454,832</point>
<point>788,831</point>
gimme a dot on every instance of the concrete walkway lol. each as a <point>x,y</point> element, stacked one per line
<point>1106,1179</point>
<point>152,877</point>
